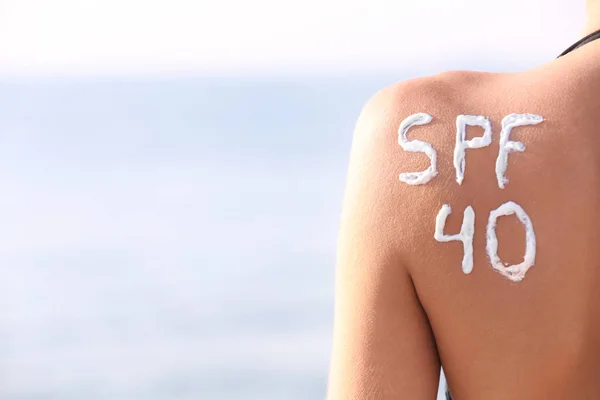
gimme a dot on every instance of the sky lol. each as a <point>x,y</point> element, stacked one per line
<point>99,37</point>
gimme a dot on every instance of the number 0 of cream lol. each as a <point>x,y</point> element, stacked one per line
<point>515,273</point>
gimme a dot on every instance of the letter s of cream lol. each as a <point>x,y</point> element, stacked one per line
<point>417,146</point>
<point>507,146</point>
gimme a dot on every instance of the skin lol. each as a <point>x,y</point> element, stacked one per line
<point>592,20</point>
<point>403,305</point>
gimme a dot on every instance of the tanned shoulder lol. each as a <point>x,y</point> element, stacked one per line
<point>375,192</point>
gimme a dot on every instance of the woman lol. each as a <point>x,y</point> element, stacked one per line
<point>503,292</point>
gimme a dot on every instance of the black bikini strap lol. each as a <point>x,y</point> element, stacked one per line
<point>589,38</point>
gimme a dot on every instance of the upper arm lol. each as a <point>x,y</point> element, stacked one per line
<point>383,344</point>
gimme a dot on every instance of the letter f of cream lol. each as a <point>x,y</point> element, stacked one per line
<point>507,146</point>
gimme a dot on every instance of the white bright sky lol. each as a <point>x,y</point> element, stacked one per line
<point>249,36</point>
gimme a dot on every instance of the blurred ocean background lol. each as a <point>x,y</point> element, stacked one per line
<point>171,238</point>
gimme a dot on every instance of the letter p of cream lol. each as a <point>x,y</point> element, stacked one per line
<point>462,144</point>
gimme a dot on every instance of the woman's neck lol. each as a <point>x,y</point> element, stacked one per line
<point>592,17</point>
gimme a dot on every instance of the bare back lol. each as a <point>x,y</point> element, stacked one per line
<point>404,304</point>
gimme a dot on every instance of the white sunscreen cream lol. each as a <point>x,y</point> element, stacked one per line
<point>507,146</point>
<point>515,273</point>
<point>476,143</point>
<point>417,146</point>
<point>465,236</point>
